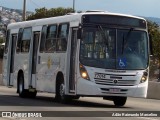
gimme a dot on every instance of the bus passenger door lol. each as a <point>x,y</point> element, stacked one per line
<point>11,61</point>
<point>73,65</point>
<point>36,36</point>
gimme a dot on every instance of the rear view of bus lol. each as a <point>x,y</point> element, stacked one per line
<point>113,57</point>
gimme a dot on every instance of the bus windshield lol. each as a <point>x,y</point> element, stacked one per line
<point>114,48</point>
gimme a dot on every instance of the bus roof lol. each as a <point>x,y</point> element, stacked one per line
<point>62,19</point>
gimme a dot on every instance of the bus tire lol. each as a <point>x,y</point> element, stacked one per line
<point>22,92</point>
<point>32,94</point>
<point>119,101</point>
<point>75,97</point>
<point>60,93</point>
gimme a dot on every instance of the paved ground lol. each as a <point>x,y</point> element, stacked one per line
<point>92,108</point>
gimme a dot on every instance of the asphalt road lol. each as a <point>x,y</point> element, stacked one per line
<point>84,108</point>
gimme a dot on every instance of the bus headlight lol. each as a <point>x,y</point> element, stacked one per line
<point>144,77</point>
<point>83,72</point>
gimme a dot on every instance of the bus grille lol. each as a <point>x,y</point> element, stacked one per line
<point>115,82</point>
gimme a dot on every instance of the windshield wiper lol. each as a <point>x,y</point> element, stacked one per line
<point>125,40</point>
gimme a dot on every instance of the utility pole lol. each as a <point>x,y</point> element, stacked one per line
<point>74,5</point>
<point>24,10</point>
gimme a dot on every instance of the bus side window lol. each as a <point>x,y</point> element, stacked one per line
<point>19,40</point>
<point>43,38</point>
<point>50,44</point>
<point>26,37</point>
<point>7,41</point>
<point>62,37</point>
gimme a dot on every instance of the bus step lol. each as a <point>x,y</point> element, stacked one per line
<point>72,91</point>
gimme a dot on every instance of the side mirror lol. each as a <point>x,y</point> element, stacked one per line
<point>150,45</point>
<point>79,33</point>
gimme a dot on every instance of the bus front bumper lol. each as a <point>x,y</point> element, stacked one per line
<point>89,88</point>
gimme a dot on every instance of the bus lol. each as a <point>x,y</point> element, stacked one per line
<point>90,54</point>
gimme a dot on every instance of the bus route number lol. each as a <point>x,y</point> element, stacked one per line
<point>100,75</point>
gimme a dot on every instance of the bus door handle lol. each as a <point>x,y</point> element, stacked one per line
<point>39,59</point>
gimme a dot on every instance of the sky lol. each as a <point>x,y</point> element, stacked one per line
<point>146,8</point>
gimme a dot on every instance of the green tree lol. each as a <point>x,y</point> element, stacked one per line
<point>154,32</point>
<point>53,12</point>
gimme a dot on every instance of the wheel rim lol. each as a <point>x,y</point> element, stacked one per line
<point>62,90</point>
<point>21,86</point>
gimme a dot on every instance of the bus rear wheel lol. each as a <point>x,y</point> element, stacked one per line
<point>32,94</point>
<point>22,92</point>
<point>119,101</point>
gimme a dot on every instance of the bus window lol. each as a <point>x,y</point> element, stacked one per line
<point>43,38</point>
<point>62,37</point>
<point>7,41</point>
<point>50,44</point>
<point>19,40</point>
<point>26,37</point>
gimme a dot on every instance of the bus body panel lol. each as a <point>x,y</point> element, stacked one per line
<point>50,65</point>
<point>22,63</point>
<point>88,88</point>
<point>128,84</point>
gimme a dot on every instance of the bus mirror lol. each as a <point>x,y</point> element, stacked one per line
<point>79,33</point>
<point>151,45</point>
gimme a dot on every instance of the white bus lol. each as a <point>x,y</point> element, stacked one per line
<point>96,53</point>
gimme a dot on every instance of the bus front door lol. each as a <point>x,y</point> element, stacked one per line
<point>73,65</point>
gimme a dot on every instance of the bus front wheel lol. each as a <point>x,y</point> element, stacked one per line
<point>119,101</point>
<point>60,93</point>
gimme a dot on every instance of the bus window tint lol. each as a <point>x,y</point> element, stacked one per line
<point>26,37</point>
<point>43,38</point>
<point>50,44</point>
<point>62,37</point>
<point>19,40</point>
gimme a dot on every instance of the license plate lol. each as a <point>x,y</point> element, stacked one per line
<point>114,90</point>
